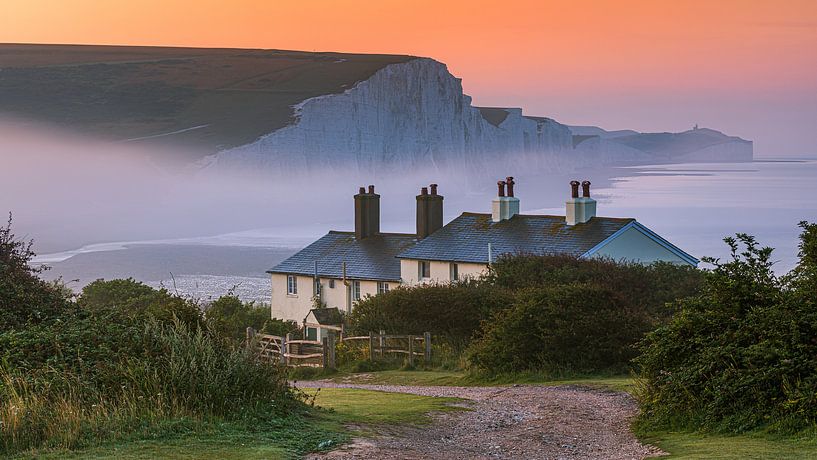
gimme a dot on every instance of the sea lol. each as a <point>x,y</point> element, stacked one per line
<point>693,205</point>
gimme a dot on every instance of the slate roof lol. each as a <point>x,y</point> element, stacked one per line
<point>328,316</point>
<point>466,238</point>
<point>372,258</point>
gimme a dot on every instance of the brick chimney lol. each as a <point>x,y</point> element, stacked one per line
<point>367,213</point>
<point>579,209</point>
<point>429,211</point>
<point>505,205</point>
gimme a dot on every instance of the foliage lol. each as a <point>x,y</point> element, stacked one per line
<point>124,359</point>
<point>140,300</point>
<point>24,297</point>
<point>450,311</point>
<point>743,353</point>
<point>174,373</point>
<point>649,287</point>
<point>564,329</point>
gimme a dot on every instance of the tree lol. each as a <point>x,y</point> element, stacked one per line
<point>24,297</point>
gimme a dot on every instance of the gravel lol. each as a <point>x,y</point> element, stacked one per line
<point>519,421</point>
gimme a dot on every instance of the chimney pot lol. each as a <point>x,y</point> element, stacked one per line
<point>501,188</point>
<point>371,190</point>
<point>586,189</point>
<point>509,181</point>
<point>574,188</point>
<point>424,191</point>
<point>362,190</point>
<point>433,189</point>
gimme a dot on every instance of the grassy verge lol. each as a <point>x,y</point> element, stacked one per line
<point>453,378</point>
<point>684,445</point>
<point>323,429</point>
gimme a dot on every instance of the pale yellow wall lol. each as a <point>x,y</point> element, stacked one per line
<point>296,307</point>
<point>440,271</point>
<point>634,246</point>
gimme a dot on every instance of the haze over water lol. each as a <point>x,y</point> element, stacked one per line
<point>692,205</point>
<point>696,205</point>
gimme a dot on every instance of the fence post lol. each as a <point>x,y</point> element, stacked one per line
<point>285,347</point>
<point>250,337</point>
<point>371,346</point>
<point>427,337</point>
<point>411,350</point>
<point>382,342</point>
<point>325,341</point>
<point>331,349</point>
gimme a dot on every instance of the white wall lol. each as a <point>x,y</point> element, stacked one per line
<point>440,271</point>
<point>296,307</point>
<point>632,245</point>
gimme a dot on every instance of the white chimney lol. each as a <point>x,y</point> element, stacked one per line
<point>579,210</point>
<point>504,207</point>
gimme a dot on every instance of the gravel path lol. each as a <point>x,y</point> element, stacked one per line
<point>520,421</point>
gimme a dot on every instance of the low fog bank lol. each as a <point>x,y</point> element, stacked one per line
<point>67,192</point>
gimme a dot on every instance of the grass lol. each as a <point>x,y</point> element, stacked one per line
<point>682,445</point>
<point>324,429</point>
<point>455,378</point>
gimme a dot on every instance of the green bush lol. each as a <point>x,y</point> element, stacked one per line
<point>573,328</point>
<point>743,353</point>
<point>229,317</point>
<point>140,300</point>
<point>650,287</point>
<point>25,298</point>
<point>447,311</point>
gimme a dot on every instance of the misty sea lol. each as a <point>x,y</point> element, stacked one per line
<point>692,205</point>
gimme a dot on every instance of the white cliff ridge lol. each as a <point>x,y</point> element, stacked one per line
<point>414,115</point>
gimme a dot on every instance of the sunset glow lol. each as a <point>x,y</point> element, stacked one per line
<point>746,67</point>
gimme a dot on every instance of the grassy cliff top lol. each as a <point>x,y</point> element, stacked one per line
<point>208,97</point>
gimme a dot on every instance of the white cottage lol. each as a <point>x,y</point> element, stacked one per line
<point>342,267</point>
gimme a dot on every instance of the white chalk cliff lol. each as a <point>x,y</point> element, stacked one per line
<point>414,115</point>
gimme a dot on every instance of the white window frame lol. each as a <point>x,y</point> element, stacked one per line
<point>421,272</point>
<point>292,285</point>
<point>355,291</point>
<point>382,287</point>
<point>454,271</point>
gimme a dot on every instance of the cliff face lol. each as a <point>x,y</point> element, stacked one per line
<point>405,116</point>
<point>414,115</point>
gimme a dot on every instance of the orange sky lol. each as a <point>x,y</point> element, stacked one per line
<point>747,67</point>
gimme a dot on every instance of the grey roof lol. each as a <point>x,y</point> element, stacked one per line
<point>372,258</point>
<point>466,238</point>
<point>328,316</point>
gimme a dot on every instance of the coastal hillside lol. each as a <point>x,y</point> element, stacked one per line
<point>210,99</point>
<point>285,112</point>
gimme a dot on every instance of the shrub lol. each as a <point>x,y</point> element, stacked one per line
<point>571,328</point>
<point>140,300</point>
<point>229,317</point>
<point>448,311</point>
<point>650,287</point>
<point>743,353</point>
<point>24,297</point>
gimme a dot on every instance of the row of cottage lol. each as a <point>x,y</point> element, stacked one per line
<point>343,267</point>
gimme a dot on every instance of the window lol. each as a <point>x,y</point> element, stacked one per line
<point>311,333</point>
<point>292,285</point>
<point>331,284</point>
<point>455,272</point>
<point>355,290</point>
<point>382,287</point>
<point>423,269</point>
<point>318,286</point>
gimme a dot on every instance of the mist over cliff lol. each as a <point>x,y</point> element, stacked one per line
<point>414,115</point>
<point>279,113</point>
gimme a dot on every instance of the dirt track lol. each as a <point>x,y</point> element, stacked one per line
<point>520,421</point>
